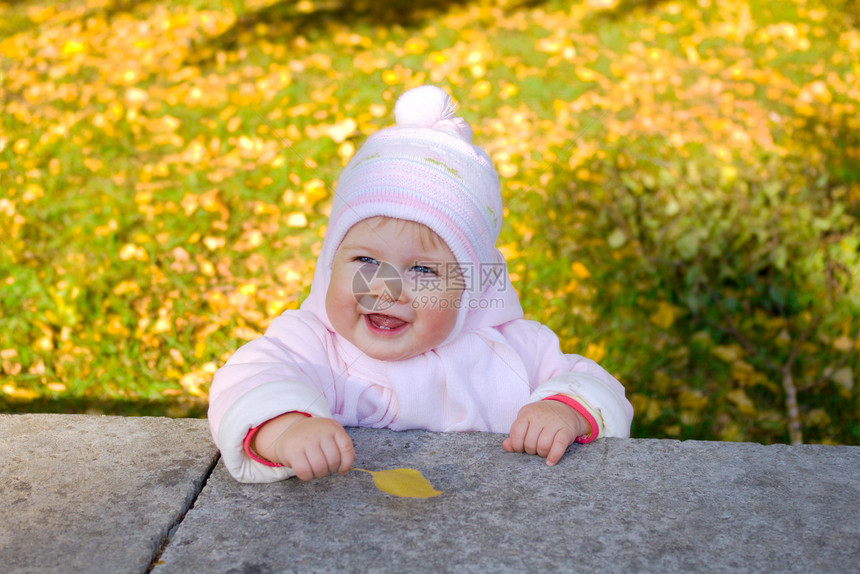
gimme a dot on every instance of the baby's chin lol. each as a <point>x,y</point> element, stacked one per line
<point>392,354</point>
<point>384,351</point>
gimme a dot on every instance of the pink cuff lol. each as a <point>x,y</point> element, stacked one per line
<point>246,444</point>
<point>577,406</point>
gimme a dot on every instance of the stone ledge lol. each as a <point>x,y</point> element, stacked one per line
<point>93,493</point>
<point>616,505</point>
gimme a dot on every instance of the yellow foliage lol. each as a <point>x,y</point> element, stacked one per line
<point>480,90</point>
<point>692,400</point>
<point>741,400</point>
<point>580,270</point>
<point>728,353</point>
<point>596,351</point>
<point>664,315</point>
<point>510,251</point>
<point>121,109</point>
<point>645,408</point>
<point>817,418</point>
<point>245,333</point>
<point>14,392</point>
<point>297,219</point>
<point>844,344</point>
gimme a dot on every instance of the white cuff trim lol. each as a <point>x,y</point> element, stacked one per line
<point>259,405</point>
<point>597,395</point>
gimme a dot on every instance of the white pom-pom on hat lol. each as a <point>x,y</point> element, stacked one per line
<point>431,107</point>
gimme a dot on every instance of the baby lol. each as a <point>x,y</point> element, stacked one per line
<point>411,322</point>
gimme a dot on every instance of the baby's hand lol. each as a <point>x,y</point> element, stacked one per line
<point>312,446</point>
<point>545,428</point>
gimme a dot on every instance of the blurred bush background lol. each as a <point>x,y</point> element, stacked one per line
<point>682,182</point>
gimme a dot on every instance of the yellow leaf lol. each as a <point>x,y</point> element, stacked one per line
<point>346,151</point>
<point>213,243</point>
<point>844,377</point>
<point>297,219</point>
<point>245,333</point>
<point>596,351</point>
<point>551,45</point>
<point>402,482</point>
<point>585,74</point>
<point>727,353</point>
<point>136,96</point>
<point>305,7</point>
<point>510,251</point>
<point>695,400</point>
<point>415,45</point>
<point>391,77</point>
<point>39,14</point>
<point>340,131</point>
<point>817,418</point>
<point>664,316</point>
<point>742,401</point>
<point>115,327</point>
<point>127,251</point>
<point>843,344</point>
<point>189,203</point>
<point>580,270</point>
<point>743,372</point>
<point>509,90</point>
<point>73,47</point>
<point>28,395</point>
<point>93,164</point>
<point>508,169</point>
<point>480,90</point>
<point>163,325</point>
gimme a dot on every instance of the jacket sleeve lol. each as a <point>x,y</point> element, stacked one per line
<point>555,373</point>
<point>284,370</point>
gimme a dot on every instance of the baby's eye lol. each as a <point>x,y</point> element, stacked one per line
<point>425,270</point>
<point>366,259</point>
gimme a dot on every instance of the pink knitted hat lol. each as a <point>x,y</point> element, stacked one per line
<point>425,169</point>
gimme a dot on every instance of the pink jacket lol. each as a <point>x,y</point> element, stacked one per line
<point>476,382</point>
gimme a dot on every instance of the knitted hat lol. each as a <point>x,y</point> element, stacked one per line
<point>425,169</point>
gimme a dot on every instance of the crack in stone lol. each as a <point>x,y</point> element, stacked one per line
<point>192,499</point>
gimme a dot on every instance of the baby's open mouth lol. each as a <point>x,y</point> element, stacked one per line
<point>384,322</point>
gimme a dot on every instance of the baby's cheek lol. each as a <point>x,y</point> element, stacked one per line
<point>444,320</point>
<point>338,304</point>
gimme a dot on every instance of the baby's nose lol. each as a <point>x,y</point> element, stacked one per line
<point>387,284</point>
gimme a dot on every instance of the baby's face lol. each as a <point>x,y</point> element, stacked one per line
<point>395,289</point>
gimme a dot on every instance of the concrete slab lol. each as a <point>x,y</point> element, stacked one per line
<point>94,493</point>
<point>611,506</point>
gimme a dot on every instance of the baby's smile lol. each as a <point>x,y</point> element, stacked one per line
<point>385,324</point>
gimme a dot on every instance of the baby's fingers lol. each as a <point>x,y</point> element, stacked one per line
<point>317,463</point>
<point>560,442</point>
<point>347,452</point>
<point>337,452</point>
<point>515,442</point>
<point>302,467</point>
